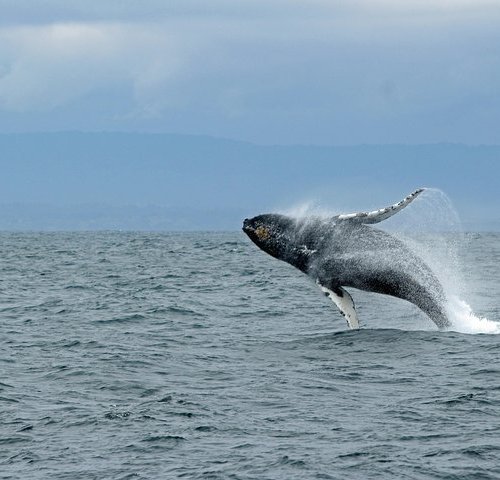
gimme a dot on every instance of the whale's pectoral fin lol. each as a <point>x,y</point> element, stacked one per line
<point>342,298</point>
<point>378,215</point>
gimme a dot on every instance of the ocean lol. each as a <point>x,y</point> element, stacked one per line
<point>195,355</point>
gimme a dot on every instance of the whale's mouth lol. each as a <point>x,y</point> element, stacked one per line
<point>260,232</point>
<point>248,227</point>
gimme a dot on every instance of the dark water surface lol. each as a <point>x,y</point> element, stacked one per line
<point>134,355</point>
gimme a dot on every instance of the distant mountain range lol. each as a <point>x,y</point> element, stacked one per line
<point>95,181</point>
<point>91,217</point>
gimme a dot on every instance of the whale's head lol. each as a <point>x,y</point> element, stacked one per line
<point>273,233</point>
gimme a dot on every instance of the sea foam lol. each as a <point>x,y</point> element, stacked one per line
<point>464,320</point>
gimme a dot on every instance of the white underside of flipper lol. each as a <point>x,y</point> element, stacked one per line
<point>376,216</point>
<point>344,303</point>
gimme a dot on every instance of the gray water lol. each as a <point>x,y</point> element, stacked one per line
<point>138,355</point>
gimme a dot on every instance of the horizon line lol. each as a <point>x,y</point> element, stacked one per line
<point>248,142</point>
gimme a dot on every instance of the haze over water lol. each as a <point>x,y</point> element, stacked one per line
<point>148,355</point>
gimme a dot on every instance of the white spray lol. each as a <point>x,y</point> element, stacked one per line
<point>432,228</point>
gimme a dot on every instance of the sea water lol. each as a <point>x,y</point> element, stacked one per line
<point>195,355</point>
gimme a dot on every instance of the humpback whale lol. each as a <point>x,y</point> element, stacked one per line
<point>345,251</point>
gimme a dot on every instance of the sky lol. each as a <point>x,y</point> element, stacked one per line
<point>321,72</point>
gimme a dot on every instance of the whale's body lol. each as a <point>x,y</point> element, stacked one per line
<point>345,252</point>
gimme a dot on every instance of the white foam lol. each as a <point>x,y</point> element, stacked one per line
<point>442,251</point>
<point>464,320</point>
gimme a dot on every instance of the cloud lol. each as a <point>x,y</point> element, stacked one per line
<point>43,67</point>
<point>57,11</point>
<point>253,69</point>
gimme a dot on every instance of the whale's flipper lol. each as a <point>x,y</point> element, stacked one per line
<point>378,215</point>
<point>344,302</point>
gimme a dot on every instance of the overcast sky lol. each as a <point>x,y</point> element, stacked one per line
<point>273,71</point>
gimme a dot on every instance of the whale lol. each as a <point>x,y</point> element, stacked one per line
<point>346,251</point>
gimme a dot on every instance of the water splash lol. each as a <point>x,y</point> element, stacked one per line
<point>465,321</point>
<point>309,209</point>
<point>433,229</point>
<point>432,212</point>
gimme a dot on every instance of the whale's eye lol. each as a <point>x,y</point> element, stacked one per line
<point>262,233</point>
